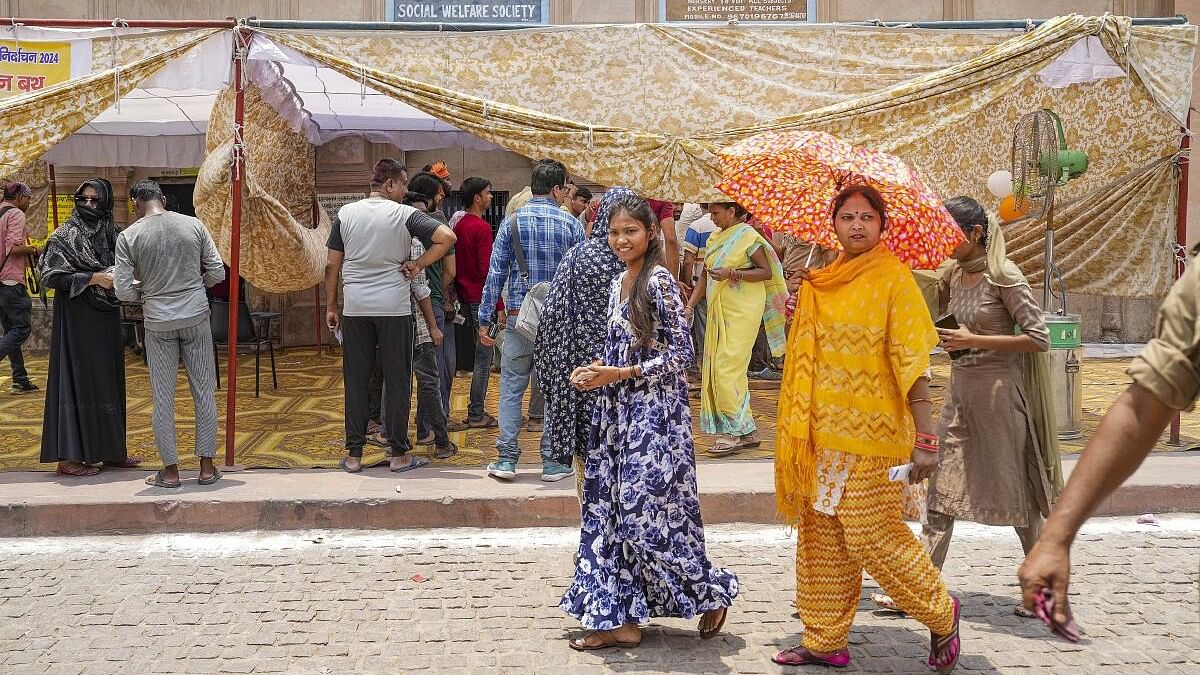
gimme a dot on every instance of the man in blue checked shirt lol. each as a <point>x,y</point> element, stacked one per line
<point>547,232</point>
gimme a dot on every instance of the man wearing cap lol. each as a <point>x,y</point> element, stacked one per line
<point>15,307</point>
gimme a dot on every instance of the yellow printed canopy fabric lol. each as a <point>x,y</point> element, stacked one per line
<point>35,122</point>
<point>665,98</point>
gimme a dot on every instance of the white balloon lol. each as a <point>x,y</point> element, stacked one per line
<point>1000,184</point>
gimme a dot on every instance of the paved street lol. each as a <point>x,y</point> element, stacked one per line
<point>483,601</point>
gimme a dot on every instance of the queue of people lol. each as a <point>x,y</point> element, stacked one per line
<point>595,306</point>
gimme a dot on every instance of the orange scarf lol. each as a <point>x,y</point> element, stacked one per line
<point>860,339</point>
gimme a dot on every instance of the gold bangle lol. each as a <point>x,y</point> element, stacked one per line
<point>920,400</point>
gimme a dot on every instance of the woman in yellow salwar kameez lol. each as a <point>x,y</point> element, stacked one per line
<point>854,403</point>
<point>745,288</point>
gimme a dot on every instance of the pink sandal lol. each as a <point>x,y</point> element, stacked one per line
<point>944,650</point>
<point>799,656</point>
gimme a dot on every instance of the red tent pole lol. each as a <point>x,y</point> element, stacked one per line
<point>125,23</point>
<point>53,198</point>
<point>320,325</point>
<point>1181,231</point>
<point>235,242</point>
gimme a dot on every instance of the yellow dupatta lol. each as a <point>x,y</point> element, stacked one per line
<point>860,339</point>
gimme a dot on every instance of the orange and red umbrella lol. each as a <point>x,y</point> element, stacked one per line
<point>788,180</point>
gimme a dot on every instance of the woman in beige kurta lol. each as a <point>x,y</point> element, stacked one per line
<point>999,461</point>
<point>994,467</point>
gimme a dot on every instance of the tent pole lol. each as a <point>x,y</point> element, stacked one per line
<point>235,243</point>
<point>316,219</point>
<point>53,199</point>
<point>125,23</point>
<point>1181,207</point>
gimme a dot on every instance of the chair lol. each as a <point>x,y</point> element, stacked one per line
<point>249,333</point>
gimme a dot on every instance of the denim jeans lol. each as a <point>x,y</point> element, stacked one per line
<point>15,309</point>
<point>516,366</point>
<point>483,367</point>
<point>428,388</point>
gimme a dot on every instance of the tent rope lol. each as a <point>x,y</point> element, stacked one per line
<point>362,85</point>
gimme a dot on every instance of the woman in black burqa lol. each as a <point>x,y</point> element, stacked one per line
<point>84,420</point>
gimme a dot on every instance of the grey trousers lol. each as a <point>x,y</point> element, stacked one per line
<point>938,528</point>
<point>163,350</point>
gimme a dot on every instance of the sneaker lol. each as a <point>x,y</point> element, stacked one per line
<point>553,472</point>
<point>503,469</point>
<point>768,374</point>
<point>19,388</point>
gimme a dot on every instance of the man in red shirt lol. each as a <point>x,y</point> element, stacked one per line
<point>15,307</point>
<point>665,213</point>
<point>474,251</point>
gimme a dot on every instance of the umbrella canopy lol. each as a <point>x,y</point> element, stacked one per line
<point>788,180</point>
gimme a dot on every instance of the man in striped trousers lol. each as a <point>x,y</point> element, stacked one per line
<point>165,260</point>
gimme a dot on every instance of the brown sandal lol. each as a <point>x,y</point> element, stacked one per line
<point>127,463</point>
<point>80,471</point>
<point>608,638</point>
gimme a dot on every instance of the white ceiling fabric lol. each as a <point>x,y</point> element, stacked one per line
<point>163,123</point>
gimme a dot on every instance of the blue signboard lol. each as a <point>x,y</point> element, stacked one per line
<point>532,12</point>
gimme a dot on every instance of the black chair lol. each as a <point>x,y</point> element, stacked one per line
<point>249,332</point>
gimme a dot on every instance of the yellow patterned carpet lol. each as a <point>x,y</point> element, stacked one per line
<point>301,424</point>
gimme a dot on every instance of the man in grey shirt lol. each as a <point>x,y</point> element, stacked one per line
<point>165,260</point>
<point>369,250</point>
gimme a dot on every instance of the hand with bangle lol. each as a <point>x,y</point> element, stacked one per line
<point>924,457</point>
<point>597,375</point>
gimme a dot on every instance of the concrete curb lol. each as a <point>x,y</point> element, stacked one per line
<point>555,509</point>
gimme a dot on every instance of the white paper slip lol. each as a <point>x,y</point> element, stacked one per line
<point>899,473</point>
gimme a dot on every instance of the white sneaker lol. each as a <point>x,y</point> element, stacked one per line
<point>502,470</point>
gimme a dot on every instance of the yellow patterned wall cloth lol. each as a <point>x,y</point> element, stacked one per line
<point>665,98</point>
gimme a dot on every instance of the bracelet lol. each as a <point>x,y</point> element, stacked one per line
<point>920,400</point>
<point>928,438</point>
<point>925,446</point>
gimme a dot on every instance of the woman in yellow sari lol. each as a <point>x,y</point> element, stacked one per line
<point>745,288</point>
<point>854,404</point>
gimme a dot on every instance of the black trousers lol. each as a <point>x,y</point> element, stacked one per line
<point>390,340</point>
<point>15,308</point>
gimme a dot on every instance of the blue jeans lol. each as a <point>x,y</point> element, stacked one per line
<point>446,359</point>
<point>515,366</point>
<point>483,367</point>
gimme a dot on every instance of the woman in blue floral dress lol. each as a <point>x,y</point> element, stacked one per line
<point>641,550</point>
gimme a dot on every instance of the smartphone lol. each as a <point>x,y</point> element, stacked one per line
<point>493,331</point>
<point>949,322</point>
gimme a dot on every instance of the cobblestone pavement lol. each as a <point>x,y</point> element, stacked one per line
<point>480,601</point>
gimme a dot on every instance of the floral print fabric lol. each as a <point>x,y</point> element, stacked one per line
<point>641,549</point>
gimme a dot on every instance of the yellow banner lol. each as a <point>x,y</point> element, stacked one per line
<point>29,66</point>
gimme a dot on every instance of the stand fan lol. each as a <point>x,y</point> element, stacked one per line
<point>1041,161</point>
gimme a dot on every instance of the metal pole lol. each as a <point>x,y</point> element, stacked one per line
<point>1047,276</point>
<point>1181,233</point>
<point>319,325</point>
<point>125,23</point>
<point>53,200</point>
<point>235,244</point>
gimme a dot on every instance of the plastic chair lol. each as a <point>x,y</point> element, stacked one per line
<point>248,334</point>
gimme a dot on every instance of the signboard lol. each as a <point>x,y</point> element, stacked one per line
<point>29,66</point>
<point>742,10</point>
<point>532,12</point>
<point>334,201</point>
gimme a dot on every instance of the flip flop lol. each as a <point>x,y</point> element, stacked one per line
<point>724,448</point>
<point>446,452</point>
<point>211,479</point>
<point>485,422</point>
<point>127,463</point>
<point>342,463</point>
<point>839,659</point>
<point>885,603</point>
<point>715,630</point>
<point>157,480</point>
<point>82,472</point>
<point>416,463</point>
<point>609,641</point>
<point>944,650</point>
